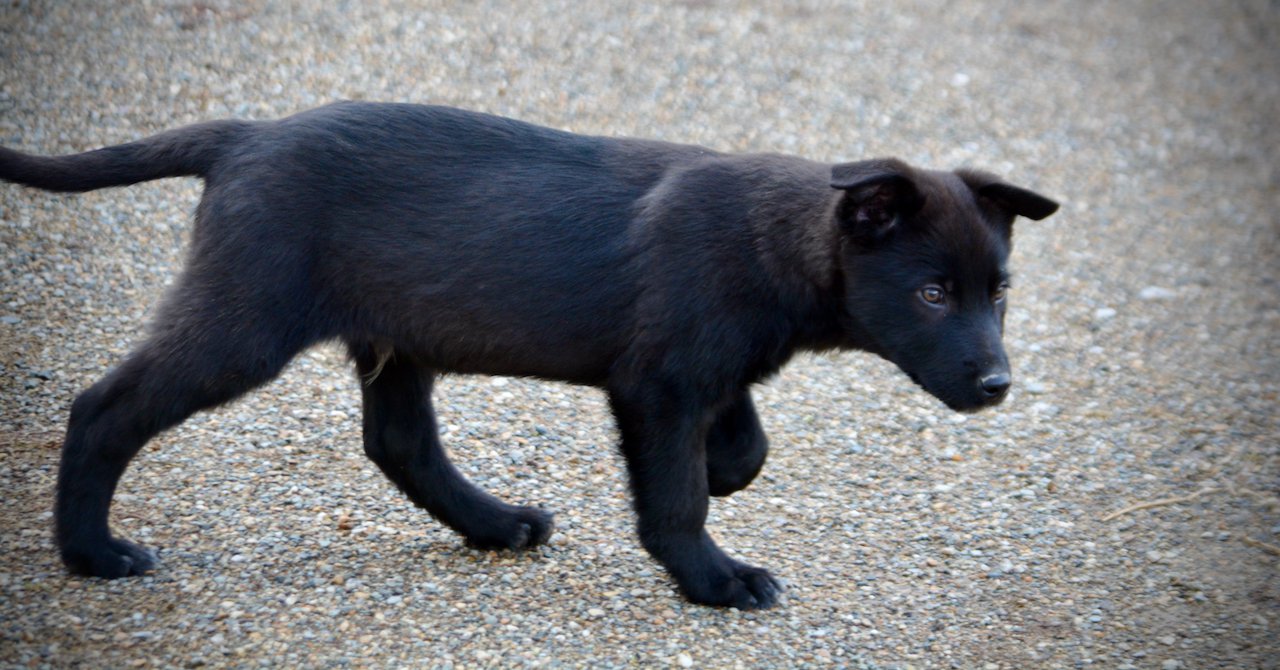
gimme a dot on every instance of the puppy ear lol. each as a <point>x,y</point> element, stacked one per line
<point>1014,200</point>
<point>1019,201</point>
<point>877,194</point>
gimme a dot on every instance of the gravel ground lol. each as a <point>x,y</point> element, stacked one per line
<point>1143,329</point>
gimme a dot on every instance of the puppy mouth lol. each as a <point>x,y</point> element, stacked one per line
<point>965,406</point>
<point>974,409</point>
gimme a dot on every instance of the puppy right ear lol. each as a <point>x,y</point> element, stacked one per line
<point>1010,199</point>
<point>877,195</point>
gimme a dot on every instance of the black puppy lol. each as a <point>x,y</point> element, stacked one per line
<point>431,239</point>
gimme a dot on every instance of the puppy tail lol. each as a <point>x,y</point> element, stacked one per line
<point>183,152</point>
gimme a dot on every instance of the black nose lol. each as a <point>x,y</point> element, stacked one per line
<point>994,385</point>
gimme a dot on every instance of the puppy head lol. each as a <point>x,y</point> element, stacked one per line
<point>923,256</point>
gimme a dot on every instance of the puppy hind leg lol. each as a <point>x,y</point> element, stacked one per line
<point>194,365</point>
<point>401,436</point>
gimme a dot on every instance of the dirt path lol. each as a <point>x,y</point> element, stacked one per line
<point>1120,510</point>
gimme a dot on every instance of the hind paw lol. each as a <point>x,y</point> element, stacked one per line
<point>513,528</point>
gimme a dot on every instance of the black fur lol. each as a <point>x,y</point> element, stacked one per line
<point>432,239</point>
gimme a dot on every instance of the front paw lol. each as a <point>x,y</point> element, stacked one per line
<point>733,585</point>
<point>112,559</point>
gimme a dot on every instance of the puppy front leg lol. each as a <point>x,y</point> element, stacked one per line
<point>664,434</point>
<point>736,447</point>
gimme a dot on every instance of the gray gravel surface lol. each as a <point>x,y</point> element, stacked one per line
<point>1143,329</point>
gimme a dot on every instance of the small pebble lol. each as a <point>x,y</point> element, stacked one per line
<point>1156,293</point>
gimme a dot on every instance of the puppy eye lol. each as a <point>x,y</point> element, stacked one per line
<point>932,294</point>
<point>1000,292</point>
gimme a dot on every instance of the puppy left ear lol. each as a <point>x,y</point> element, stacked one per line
<point>877,194</point>
<point>1015,200</point>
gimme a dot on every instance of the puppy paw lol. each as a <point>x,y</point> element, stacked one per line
<point>112,559</point>
<point>514,528</point>
<point>742,586</point>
